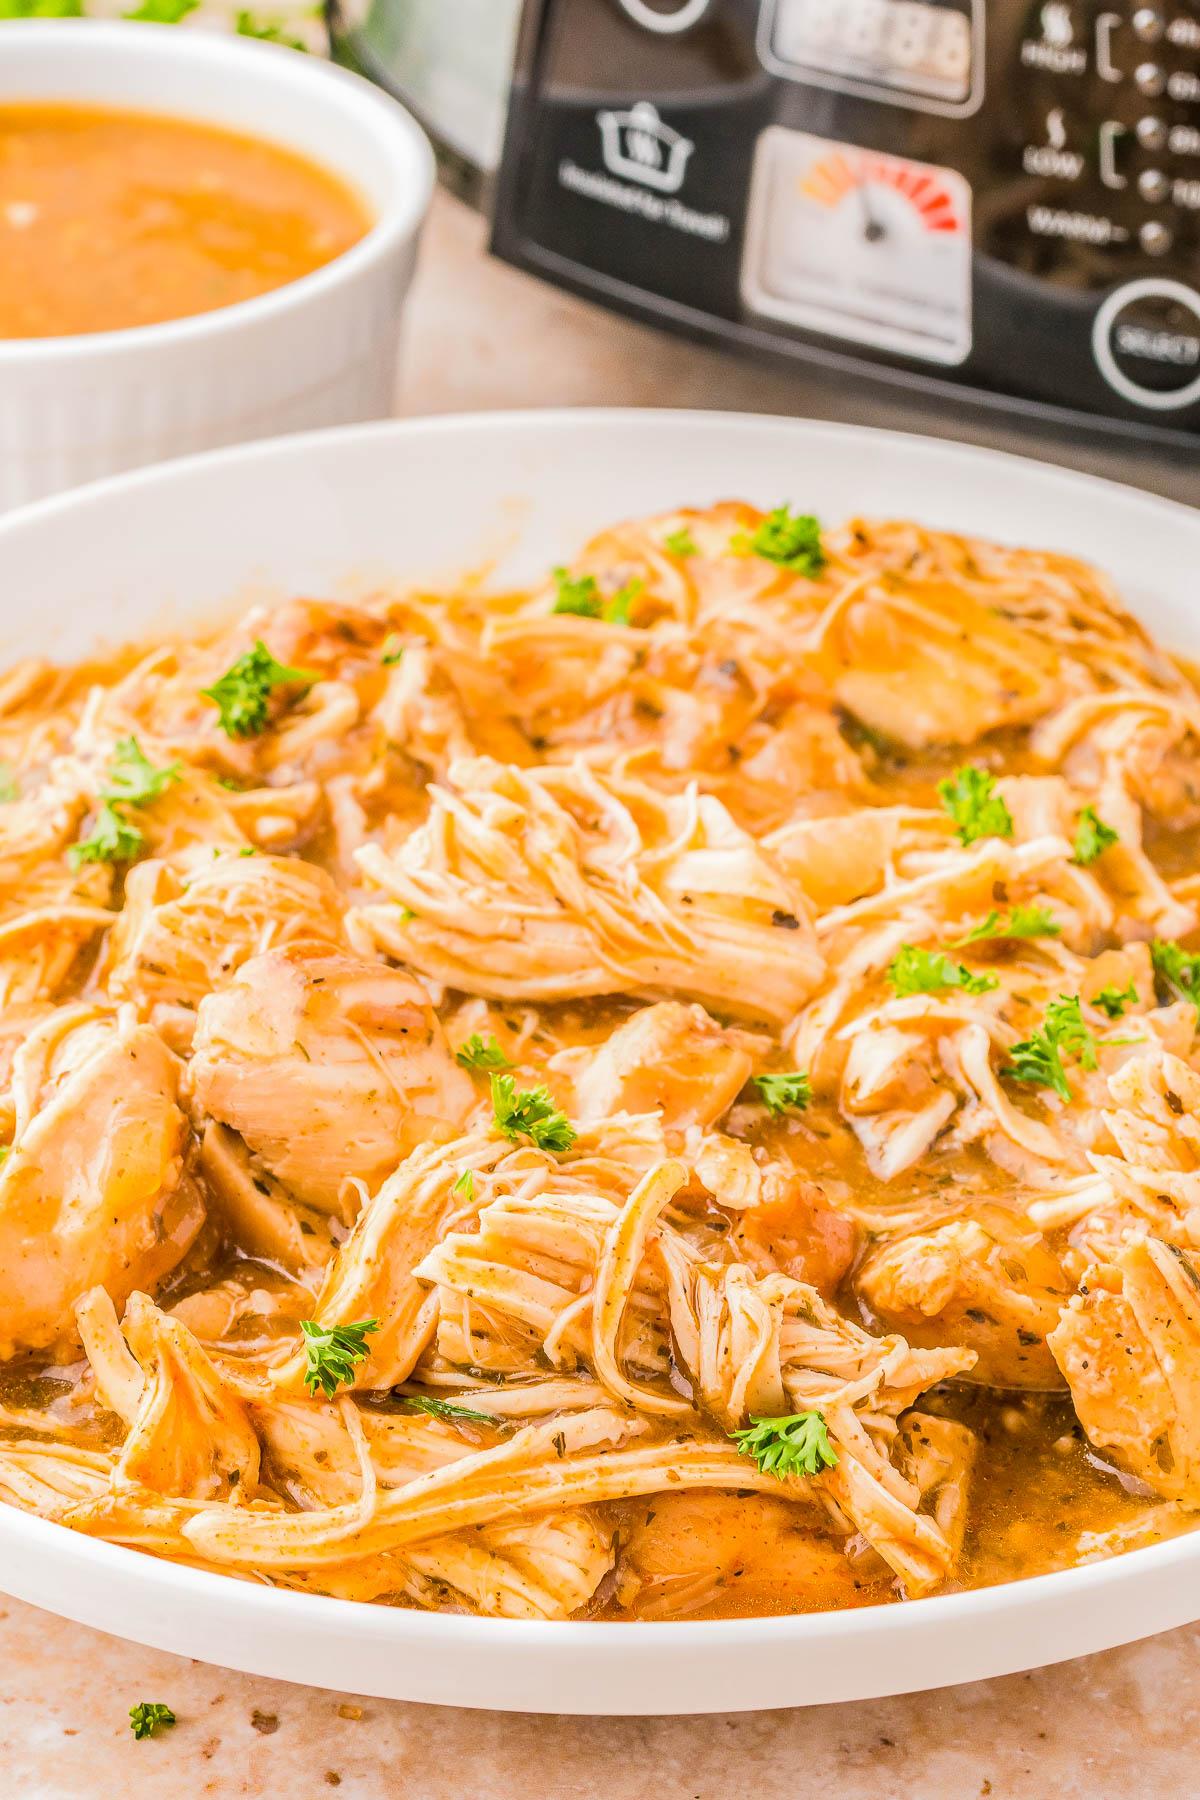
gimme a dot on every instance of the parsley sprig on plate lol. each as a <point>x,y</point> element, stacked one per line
<point>1021,922</point>
<point>1064,1032</point>
<point>480,1053</point>
<point>131,779</point>
<point>977,810</point>
<point>796,1444</point>
<point>530,1114</point>
<point>1177,971</point>
<point>581,596</point>
<point>1113,1000</point>
<point>242,693</point>
<point>791,540</point>
<point>784,1093</point>
<point>1092,837</point>
<point>916,971</point>
<point>331,1353</point>
<point>445,1409</point>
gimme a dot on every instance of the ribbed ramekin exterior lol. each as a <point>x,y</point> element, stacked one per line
<point>327,360</point>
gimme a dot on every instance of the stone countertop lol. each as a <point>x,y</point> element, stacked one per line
<point>1106,1728</point>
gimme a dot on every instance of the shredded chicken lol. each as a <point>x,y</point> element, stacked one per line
<point>626,1098</point>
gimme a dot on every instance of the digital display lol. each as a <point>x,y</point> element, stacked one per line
<point>910,46</point>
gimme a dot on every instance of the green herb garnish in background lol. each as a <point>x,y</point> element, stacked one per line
<point>1022,922</point>
<point>131,780</point>
<point>916,971</point>
<point>530,1114</point>
<point>330,1353</point>
<point>579,596</point>
<point>8,784</point>
<point>792,540</point>
<point>797,1444</point>
<point>149,1716</point>
<point>1113,1000</point>
<point>445,1409</point>
<point>162,12</point>
<point>1092,837</point>
<point>253,25</point>
<point>1178,971</point>
<point>242,692</point>
<point>616,611</point>
<point>977,811</point>
<point>680,543</point>
<point>392,651</point>
<point>784,1093</point>
<point>1039,1058</point>
<point>481,1053</point>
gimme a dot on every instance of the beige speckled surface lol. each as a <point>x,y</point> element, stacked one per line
<point>1113,1727</point>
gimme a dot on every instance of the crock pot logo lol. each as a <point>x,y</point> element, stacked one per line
<point>640,147</point>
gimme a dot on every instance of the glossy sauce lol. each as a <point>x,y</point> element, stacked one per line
<point>116,219</point>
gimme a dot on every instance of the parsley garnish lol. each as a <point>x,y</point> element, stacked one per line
<point>1022,922</point>
<point>445,1409</point>
<point>977,811</point>
<point>1039,1058</point>
<point>1092,837</point>
<point>680,543</point>
<point>133,777</point>
<point>1178,970</point>
<point>331,1352</point>
<point>793,540</point>
<point>531,1114</point>
<point>915,971</point>
<point>784,1093</point>
<point>1113,1000</point>
<point>465,1184</point>
<point>617,610</point>
<point>242,692</point>
<point>583,598</point>
<point>132,780</point>
<point>147,1716</point>
<point>392,650</point>
<point>480,1053</point>
<point>8,784</point>
<point>162,12</point>
<point>797,1444</point>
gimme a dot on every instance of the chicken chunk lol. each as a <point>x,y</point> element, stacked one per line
<point>989,1283</point>
<point>330,1067</point>
<point>930,665</point>
<point>1129,1348</point>
<point>93,1193</point>
<point>176,941</point>
<point>669,1059</point>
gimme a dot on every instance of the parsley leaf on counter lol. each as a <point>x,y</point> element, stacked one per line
<point>1092,837</point>
<point>331,1352</point>
<point>1022,922</point>
<point>1113,1000</point>
<point>784,1093</point>
<point>148,1716</point>
<point>977,811</point>
<point>480,1053</point>
<point>1039,1058</point>
<point>531,1114</point>
<point>1178,970</point>
<point>242,692</point>
<point>916,971</point>
<point>797,1444</point>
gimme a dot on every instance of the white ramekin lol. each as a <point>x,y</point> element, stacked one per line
<point>320,351</point>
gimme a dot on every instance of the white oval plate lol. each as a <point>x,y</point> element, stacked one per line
<point>428,498</point>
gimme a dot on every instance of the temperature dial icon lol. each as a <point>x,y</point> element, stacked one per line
<point>859,245</point>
